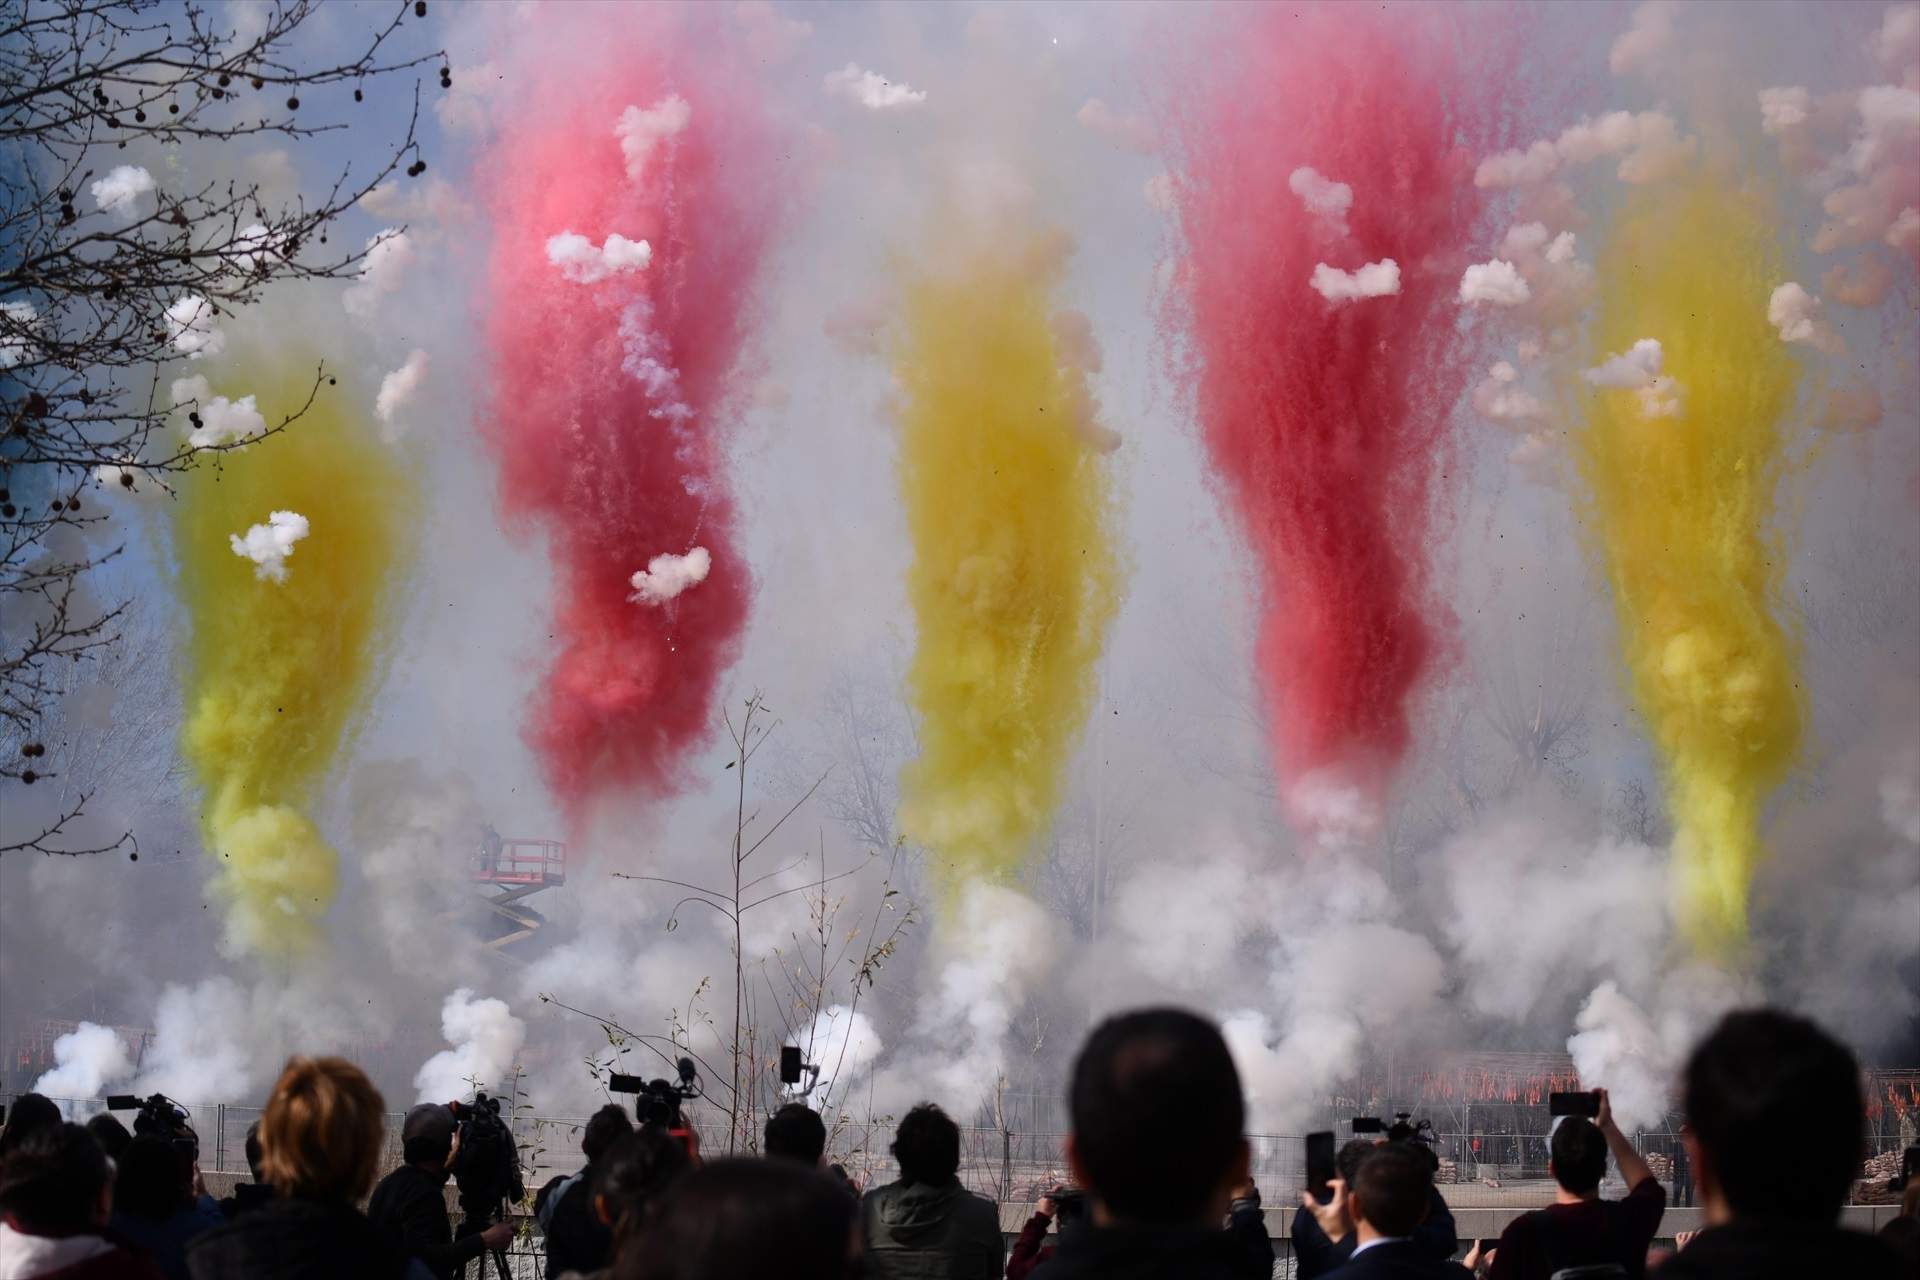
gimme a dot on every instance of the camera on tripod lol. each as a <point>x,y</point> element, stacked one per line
<point>158,1116</point>
<point>656,1103</point>
<point>486,1164</point>
<point>1417,1134</point>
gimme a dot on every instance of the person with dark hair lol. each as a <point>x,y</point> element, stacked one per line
<point>796,1132</point>
<point>1389,1196</point>
<point>743,1219</point>
<point>29,1114</point>
<point>319,1148</point>
<point>1579,1229</point>
<point>629,1181</point>
<point>1774,1123</point>
<point>926,1226</point>
<point>410,1204</point>
<point>1315,1255</point>
<point>576,1240</point>
<point>1158,1141</point>
<point>156,1204</point>
<point>1064,1206</point>
<point>56,1194</point>
<point>109,1133</point>
<point>248,1196</point>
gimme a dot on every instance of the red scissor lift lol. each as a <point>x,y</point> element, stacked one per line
<point>515,870</point>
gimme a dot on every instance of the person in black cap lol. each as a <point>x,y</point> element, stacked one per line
<point>411,1203</point>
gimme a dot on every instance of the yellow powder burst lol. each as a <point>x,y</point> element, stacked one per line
<point>1682,506</point>
<point>1012,580</point>
<point>276,673</point>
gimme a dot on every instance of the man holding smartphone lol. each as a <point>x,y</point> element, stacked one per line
<point>1579,1228</point>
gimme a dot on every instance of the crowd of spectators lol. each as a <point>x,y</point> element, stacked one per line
<point>1161,1188</point>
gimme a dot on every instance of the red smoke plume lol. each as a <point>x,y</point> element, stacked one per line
<point>1328,420</point>
<point>606,380</point>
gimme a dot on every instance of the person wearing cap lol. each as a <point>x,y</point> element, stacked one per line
<point>411,1202</point>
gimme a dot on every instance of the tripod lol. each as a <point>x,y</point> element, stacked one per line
<point>473,1224</point>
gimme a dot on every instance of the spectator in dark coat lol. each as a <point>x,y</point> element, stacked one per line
<point>1390,1195</point>
<point>576,1238</point>
<point>155,1204</point>
<point>109,1133</point>
<point>248,1196</point>
<point>1315,1255</point>
<point>410,1204</point>
<point>56,1193</point>
<point>1158,1141</point>
<point>1774,1123</point>
<point>319,1146</point>
<point>926,1226</point>
<point>747,1220</point>
<point>29,1113</point>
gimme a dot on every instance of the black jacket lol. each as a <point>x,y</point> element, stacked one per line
<point>1318,1255</point>
<point>1398,1260</point>
<point>576,1240</point>
<point>913,1231</point>
<point>410,1205</point>
<point>246,1197</point>
<point>1783,1251</point>
<point>296,1240</point>
<point>1241,1252</point>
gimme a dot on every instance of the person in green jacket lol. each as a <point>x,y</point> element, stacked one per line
<point>927,1226</point>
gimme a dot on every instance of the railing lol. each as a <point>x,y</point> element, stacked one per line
<point>540,862</point>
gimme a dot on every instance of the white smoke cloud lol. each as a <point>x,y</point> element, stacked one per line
<point>194,390</point>
<point>121,188</point>
<point>255,244</point>
<point>1896,45</point>
<point>382,272</point>
<point>1635,1048</point>
<point>1498,282</point>
<point>1638,369</point>
<point>871,89</point>
<point>223,421</point>
<point>581,263</point>
<point>191,329</point>
<point>1648,144</point>
<point>1335,809</point>
<point>1798,316</point>
<point>646,361</point>
<point>1884,160</point>
<point>667,575</point>
<point>87,1061</point>
<point>1641,47</point>
<point>843,1043</point>
<point>1499,398</point>
<point>641,131</point>
<point>16,322</point>
<point>1374,280</point>
<point>485,1040</point>
<point>1128,131</point>
<point>268,545</point>
<point>1784,108</point>
<point>398,388</point>
<point>202,1045</point>
<point>1324,198</point>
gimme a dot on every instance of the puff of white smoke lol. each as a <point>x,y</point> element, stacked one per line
<point>194,390</point>
<point>667,575</point>
<point>1635,1049</point>
<point>1641,46</point>
<point>581,263</point>
<point>1374,280</point>
<point>1648,143</point>
<point>1498,399</point>
<point>842,1042</point>
<point>388,255</point>
<point>646,360</point>
<point>991,952</point>
<point>1797,315</point>
<point>484,1039</point>
<point>641,131</point>
<point>1784,108</point>
<point>1638,369</point>
<point>200,1051</point>
<point>268,545</point>
<point>871,89</point>
<point>1128,131</point>
<point>224,421</point>
<point>191,329</point>
<point>1896,45</point>
<point>1889,127</point>
<point>86,1060</point>
<point>16,324</point>
<point>1324,198</point>
<point>1334,810</point>
<point>1518,168</point>
<point>1498,282</point>
<point>1858,284</point>
<point>123,185</point>
<point>398,388</point>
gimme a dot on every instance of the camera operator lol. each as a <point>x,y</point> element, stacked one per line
<point>1382,1209</point>
<point>411,1203</point>
<point>1579,1228</point>
<point>1317,1255</point>
<point>159,1203</point>
<point>576,1239</point>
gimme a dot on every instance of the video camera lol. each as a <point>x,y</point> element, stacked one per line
<point>158,1116</point>
<point>486,1165</point>
<point>1417,1134</point>
<point>656,1103</point>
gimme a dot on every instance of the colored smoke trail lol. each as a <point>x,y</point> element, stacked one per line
<point>1682,509</point>
<point>278,672</point>
<point>1323,332</point>
<point>631,201</point>
<point>1012,579</point>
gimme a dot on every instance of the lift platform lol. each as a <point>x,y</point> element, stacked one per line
<point>508,872</point>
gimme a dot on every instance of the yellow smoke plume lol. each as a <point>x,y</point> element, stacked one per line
<point>1013,576</point>
<point>276,673</point>
<point>1683,507</point>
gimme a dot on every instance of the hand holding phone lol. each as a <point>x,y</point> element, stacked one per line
<point>1320,1165</point>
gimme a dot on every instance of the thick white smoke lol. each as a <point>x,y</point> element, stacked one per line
<point>667,575</point>
<point>191,329</point>
<point>1648,144</point>
<point>224,421</point>
<point>1324,198</point>
<point>398,388</point>
<point>844,1044</point>
<point>1638,369</point>
<point>641,131</point>
<point>122,188</point>
<point>1374,280</point>
<point>871,89</point>
<point>206,1044</point>
<point>1498,282</point>
<point>581,263</point>
<point>269,545</point>
<point>382,272</point>
<point>87,1061</point>
<point>485,1040</point>
<point>1799,317</point>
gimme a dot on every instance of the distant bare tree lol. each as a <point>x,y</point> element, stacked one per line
<point>106,277</point>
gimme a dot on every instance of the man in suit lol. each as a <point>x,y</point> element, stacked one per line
<point>1390,1196</point>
